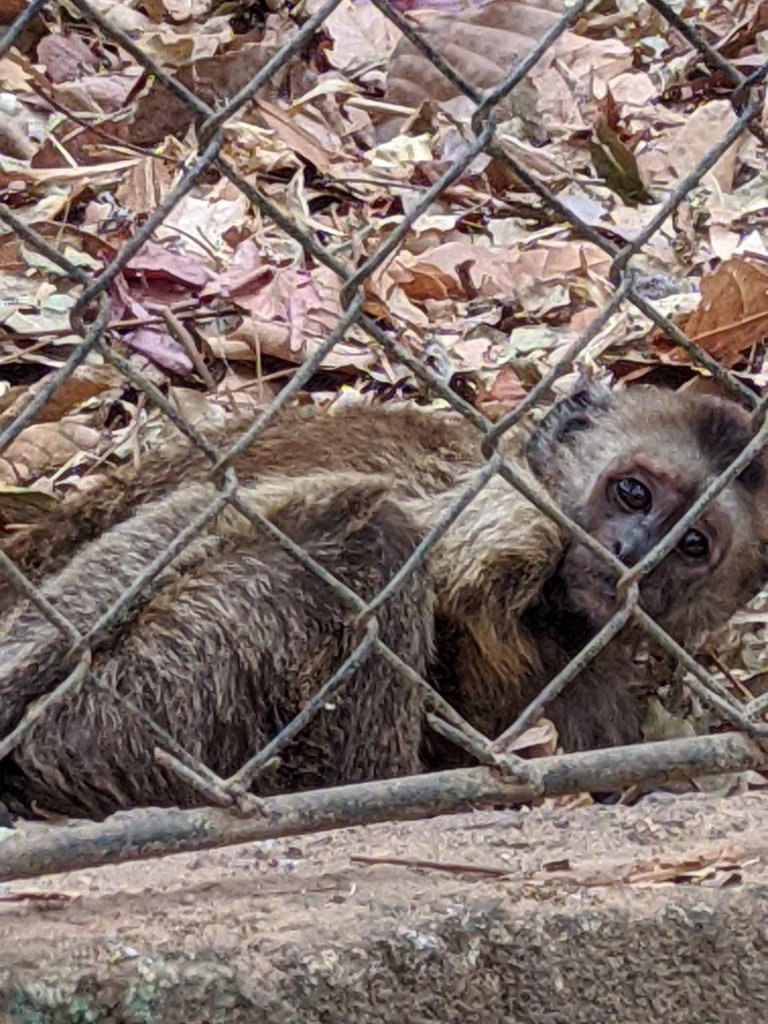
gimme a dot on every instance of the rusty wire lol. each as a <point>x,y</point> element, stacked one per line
<point>90,320</point>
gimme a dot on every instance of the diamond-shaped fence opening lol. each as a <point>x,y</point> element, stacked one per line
<point>336,298</point>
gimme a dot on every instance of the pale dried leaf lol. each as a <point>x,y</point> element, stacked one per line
<point>539,740</point>
<point>303,133</point>
<point>104,92</point>
<point>481,44</point>
<point>161,348</point>
<point>66,57</point>
<point>176,46</point>
<point>676,151</point>
<point>122,14</point>
<point>85,382</point>
<point>361,35</point>
<point>144,186</point>
<point>154,261</point>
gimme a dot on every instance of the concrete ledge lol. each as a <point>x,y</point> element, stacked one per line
<point>561,920</point>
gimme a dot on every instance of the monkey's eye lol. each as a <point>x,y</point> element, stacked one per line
<point>633,495</point>
<point>694,544</point>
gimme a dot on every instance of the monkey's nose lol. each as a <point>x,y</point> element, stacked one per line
<point>630,547</point>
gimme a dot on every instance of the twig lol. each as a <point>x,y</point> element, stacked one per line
<point>117,325</point>
<point>185,339</point>
<point>453,868</point>
<point>740,687</point>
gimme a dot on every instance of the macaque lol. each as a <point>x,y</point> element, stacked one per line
<point>234,637</point>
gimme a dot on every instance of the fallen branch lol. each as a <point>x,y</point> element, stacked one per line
<point>136,835</point>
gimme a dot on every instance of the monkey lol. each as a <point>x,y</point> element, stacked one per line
<point>234,636</point>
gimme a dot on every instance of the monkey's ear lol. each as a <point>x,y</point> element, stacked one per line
<point>570,415</point>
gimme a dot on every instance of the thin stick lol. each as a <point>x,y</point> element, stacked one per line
<point>178,331</point>
<point>451,867</point>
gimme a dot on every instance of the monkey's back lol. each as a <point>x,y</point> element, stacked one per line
<point>425,452</point>
<point>226,652</point>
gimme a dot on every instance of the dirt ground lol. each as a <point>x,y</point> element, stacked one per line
<point>586,914</point>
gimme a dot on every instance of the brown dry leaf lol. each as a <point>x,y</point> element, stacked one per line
<point>12,255</point>
<point>482,44</point>
<point>12,172</point>
<point>159,112</point>
<point>177,11</point>
<point>452,270</point>
<point>556,260</point>
<point>10,10</point>
<point>716,868</point>
<point>210,219</point>
<point>258,338</point>
<point>45,446</point>
<point>709,868</point>
<point>733,313</point>
<point>464,270</point>
<point>16,73</point>
<point>102,92</point>
<point>161,348</point>
<point>153,262</point>
<point>122,15</point>
<point>84,382</point>
<point>538,741</point>
<point>303,133</point>
<point>175,46</point>
<point>144,186</point>
<point>570,80</point>
<point>24,504</point>
<point>505,392</point>
<point>239,390</point>
<point>248,272</point>
<point>292,311</point>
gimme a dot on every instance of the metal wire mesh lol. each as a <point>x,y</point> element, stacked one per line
<point>90,320</point>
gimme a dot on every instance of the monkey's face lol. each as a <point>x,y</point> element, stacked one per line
<point>626,467</point>
<point>629,510</point>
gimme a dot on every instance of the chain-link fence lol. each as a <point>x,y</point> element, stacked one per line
<point>503,777</point>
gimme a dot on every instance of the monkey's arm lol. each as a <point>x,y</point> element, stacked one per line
<point>490,568</point>
<point>492,562</point>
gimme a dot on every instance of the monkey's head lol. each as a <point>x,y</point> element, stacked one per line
<point>626,465</point>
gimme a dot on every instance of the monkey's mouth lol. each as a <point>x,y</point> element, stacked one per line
<point>591,589</point>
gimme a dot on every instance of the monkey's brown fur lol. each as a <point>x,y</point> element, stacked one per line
<point>237,637</point>
<point>221,678</point>
<point>425,454</point>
